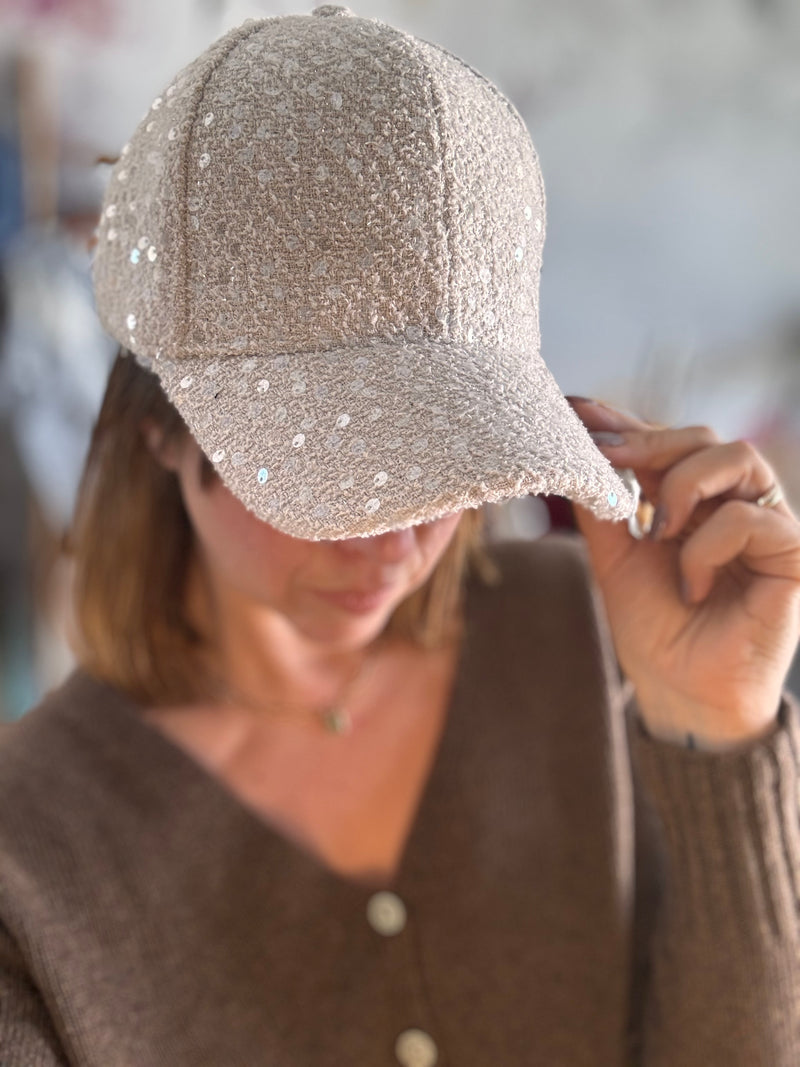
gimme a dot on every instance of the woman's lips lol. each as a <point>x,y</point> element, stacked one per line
<point>358,603</point>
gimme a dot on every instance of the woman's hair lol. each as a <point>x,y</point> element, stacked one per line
<point>132,541</point>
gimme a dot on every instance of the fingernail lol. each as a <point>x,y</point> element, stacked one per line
<point>580,400</point>
<point>605,437</point>
<point>659,523</point>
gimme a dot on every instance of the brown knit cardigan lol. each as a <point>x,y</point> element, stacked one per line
<point>576,892</point>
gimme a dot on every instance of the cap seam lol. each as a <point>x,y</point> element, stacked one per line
<point>194,110</point>
<point>434,103</point>
<point>437,101</point>
<point>512,109</point>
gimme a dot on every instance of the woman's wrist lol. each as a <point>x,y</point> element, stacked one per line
<point>714,744</point>
<point>704,729</point>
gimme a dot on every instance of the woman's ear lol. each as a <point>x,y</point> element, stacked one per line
<point>166,451</point>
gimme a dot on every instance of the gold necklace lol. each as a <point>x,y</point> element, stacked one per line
<point>334,716</point>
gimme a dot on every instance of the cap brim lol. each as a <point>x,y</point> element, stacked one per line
<point>358,441</point>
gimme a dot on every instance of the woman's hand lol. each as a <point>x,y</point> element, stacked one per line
<point>705,613</point>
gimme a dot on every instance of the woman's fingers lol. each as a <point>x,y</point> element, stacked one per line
<point>765,542</point>
<point>734,471</point>
<point>661,447</point>
<point>693,472</point>
<point>687,472</point>
<point>692,467</point>
<point>599,416</point>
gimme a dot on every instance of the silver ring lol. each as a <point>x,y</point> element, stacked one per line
<point>641,521</point>
<point>770,499</point>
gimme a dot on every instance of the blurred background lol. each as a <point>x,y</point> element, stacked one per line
<point>669,139</point>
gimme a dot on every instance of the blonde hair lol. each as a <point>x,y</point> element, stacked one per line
<point>132,541</point>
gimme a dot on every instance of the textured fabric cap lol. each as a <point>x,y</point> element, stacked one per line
<point>325,238</point>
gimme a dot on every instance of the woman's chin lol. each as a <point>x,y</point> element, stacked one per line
<point>346,628</point>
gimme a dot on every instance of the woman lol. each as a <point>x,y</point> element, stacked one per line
<point>338,780</point>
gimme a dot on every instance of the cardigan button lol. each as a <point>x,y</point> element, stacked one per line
<point>386,914</point>
<point>415,1048</point>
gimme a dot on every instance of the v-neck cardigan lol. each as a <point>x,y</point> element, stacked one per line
<point>576,892</point>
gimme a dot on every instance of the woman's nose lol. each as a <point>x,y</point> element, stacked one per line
<point>391,547</point>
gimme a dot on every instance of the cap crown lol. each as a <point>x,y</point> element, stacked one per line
<point>312,182</point>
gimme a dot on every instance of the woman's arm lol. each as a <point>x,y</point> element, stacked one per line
<point>27,1035</point>
<point>717,973</point>
<point>705,617</point>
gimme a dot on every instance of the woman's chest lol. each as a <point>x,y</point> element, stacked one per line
<point>349,800</point>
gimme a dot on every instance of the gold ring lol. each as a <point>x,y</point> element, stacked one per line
<point>770,499</point>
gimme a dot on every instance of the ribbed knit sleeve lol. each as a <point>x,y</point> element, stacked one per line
<point>724,969</point>
<point>27,1038</point>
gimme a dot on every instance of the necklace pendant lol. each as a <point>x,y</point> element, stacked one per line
<point>337,721</point>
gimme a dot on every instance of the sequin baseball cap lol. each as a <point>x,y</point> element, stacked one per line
<point>325,238</point>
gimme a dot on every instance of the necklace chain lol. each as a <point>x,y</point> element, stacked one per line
<point>333,716</point>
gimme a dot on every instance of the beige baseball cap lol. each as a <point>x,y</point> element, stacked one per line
<point>325,238</point>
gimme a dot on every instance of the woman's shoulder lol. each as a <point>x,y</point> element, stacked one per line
<point>84,786</point>
<point>59,749</point>
<point>52,719</point>
<point>40,731</point>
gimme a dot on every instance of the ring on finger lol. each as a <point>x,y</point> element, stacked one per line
<point>641,521</point>
<point>772,497</point>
